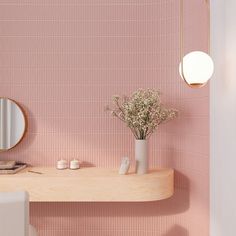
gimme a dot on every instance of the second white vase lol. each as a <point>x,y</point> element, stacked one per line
<point>141,156</point>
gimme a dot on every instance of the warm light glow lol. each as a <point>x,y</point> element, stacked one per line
<point>198,68</point>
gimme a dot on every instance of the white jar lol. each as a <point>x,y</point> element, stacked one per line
<point>61,164</point>
<point>74,164</point>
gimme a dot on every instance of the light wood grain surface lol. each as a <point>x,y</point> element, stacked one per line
<point>90,185</point>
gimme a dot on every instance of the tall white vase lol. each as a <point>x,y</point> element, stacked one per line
<point>141,156</point>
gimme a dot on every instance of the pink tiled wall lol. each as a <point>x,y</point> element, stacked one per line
<point>63,60</point>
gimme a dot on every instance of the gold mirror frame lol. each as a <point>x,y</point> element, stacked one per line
<point>25,121</point>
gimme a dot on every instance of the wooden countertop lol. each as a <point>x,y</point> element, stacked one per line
<point>90,185</point>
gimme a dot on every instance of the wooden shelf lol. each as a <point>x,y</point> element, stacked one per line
<point>90,185</point>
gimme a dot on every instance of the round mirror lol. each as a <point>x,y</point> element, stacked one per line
<point>12,124</point>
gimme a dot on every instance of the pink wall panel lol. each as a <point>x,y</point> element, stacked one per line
<point>63,60</point>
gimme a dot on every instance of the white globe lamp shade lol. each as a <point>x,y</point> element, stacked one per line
<point>197,68</point>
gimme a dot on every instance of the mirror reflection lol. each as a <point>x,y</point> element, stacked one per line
<point>12,124</point>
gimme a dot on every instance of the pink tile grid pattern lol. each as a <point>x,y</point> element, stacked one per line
<point>62,60</point>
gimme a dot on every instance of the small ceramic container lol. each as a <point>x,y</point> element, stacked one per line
<point>74,164</point>
<point>124,167</point>
<point>61,164</point>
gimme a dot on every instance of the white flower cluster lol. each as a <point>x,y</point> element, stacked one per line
<point>142,112</point>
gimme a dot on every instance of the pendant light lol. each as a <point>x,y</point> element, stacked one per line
<point>196,67</point>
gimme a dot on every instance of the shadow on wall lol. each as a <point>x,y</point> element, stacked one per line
<point>177,231</point>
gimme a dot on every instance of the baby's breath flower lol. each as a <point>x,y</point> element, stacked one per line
<point>142,112</point>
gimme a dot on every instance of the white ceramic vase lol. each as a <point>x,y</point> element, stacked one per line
<point>141,156</point>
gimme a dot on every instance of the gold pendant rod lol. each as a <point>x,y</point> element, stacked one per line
<point>181,26</point>
<point>208,2</point>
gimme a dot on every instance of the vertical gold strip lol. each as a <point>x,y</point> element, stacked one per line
<point>208,3</point>
<point>181,26</point>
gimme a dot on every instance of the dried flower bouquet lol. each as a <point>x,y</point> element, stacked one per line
<point>142,112</point>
